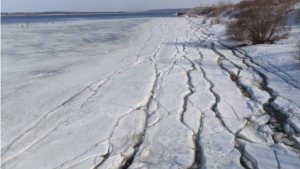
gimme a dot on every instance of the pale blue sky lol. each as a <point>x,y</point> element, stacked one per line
<point>98,5</point>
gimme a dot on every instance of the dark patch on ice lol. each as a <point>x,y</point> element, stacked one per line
<point>243,163</point>
<point>277,120</point>
<point>128,162</point>
<point>243,90</point>
<point>105,157</point>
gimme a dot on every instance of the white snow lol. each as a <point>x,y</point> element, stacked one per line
<point>286,157</point>
<point>125,137</point>
<point>192,118</point>
<point>167,143</point>
<point>257,155</point>
<point>265,129</point>
<point>252,84</point>
<point>252,134</point>
<point>230,67</point>
<point>260,120</point>
<point>146,93</point>
<point>290,110</point>
<point>217,146</point>
<point>285,106</point>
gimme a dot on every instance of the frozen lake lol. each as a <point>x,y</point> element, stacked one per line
<point>134,93</point>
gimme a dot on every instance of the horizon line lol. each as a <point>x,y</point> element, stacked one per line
<point>2,12</point>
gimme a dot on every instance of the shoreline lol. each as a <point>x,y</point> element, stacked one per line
<point>61,14</point>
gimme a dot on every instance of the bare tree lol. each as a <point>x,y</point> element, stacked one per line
<point>211,23</point>
<point>214,10</point>
<point>297,15</point>
<point>296,55</point>
<point>260,24</point>
<point>237,29</point>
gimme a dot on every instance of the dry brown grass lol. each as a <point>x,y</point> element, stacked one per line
<point>214,10</point>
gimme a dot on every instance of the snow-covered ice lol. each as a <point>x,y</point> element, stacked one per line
<point>257,155</point>
<point>145,93</point>
<point>286,157</point>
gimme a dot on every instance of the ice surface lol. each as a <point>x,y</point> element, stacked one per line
<point>286,157</point>
<point>254,135</point>
<point>280,86</point>
<point>173,89</point>
<point>265,129</point>
<point>230,67</point>
<point>233,106</point>
<point>228,54</point>
<point>125,137</point>
<point>257,155</point>
<point>260,120</point>
<point>226,112</point>
<point>265,75</point>
<point>286,107</point>
<point>202,98</point>
<point>217,146</point>
<point>297,141</point>
<point>290,110</point>
<point>252,84</point>
<point>166,143</point>
<point>83,100</point>
<point>53,72</point>
<point>192,118</point>
<point>141,93</point>
<point>99,111</point>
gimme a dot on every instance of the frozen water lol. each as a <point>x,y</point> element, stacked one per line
<point>252,84</point>
<point>252,134</point>
<point>69,89</point>
<point>230,67</point>
<point>141,93</point>
<point>125,137</point>
<point>286,157</point>
<point>217,146</point>
<point>257,155</point>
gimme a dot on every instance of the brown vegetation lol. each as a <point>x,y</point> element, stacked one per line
<point>211,23</point>
<point>214,10</point>
<point>297,15</point>
<point>251,3</point>
<point>257,21</point>
<point>263,22</point>
<point>297,53</point>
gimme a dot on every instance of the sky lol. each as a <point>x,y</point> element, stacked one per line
<point>99,5</point>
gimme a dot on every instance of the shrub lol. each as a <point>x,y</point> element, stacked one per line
<point>297,15</point>
<point>260,24</point>
<point>218,20</point>
<point>211,23</point>
<point>250,3</point>
<point>238,33</point>
<point>297,54</point>
<point>223,6</point>
<point>214,10</point>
